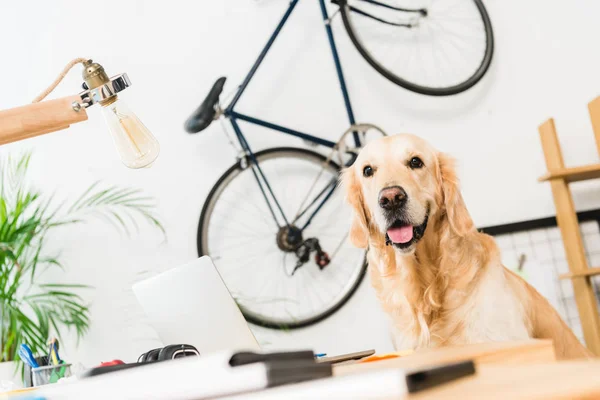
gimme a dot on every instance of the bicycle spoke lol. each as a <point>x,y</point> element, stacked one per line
<point>332,255</point>
<point>265,281</point>
<point>451,7</point>
<point>410,59</point>
<point>258,181</point>
<point>249,229</point>
<point>450,39</point>
<point>459,25</point>
<point>238,233</point>
<point>445,60</point>
<point>239,245</point>
<point>266,182</point>
<point>325,192</point>
<point>318,283</point>
<point>299,213</point>
<point>258,212</point>
<point>419,54</point>
<point>246,257</point>
<point>286,191</point>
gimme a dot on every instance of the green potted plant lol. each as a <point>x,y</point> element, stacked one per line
<point>31,309</point>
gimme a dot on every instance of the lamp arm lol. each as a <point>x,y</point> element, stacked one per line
<point>40,118</point>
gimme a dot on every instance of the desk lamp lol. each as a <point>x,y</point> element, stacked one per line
<point>135,144</point>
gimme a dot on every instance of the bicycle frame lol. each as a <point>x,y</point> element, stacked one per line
<point>235,116</point>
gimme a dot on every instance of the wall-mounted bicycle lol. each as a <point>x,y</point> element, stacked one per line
<point>274,223</point>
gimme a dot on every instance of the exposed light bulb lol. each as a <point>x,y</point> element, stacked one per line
<point>134,142</point>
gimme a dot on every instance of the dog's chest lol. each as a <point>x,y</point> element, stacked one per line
<point>491,312</point>
<point>393,300</point>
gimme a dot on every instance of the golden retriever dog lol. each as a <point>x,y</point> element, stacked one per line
<point>440,280</point>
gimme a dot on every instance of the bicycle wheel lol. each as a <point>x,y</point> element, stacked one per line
<point>431,47</point>
<point>238,232</point>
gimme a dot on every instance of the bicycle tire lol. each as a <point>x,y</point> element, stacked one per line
<point>202,237</point>
<point>417,88</point>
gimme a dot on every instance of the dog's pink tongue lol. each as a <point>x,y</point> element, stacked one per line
<point>402,234</point>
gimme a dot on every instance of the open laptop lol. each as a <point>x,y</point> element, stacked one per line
<point>190,304</point>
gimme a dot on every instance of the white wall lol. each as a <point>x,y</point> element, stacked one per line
<point>545,65</point>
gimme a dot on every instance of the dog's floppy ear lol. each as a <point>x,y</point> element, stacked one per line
<point>359,231</point>
<point>453,204</point>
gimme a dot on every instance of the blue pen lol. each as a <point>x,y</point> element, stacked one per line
<point>320,355</point>
<point>27,356</point>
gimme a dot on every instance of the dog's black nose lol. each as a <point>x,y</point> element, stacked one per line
<point>392,198</point>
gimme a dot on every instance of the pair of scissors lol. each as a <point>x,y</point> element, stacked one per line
<point>27,356</point>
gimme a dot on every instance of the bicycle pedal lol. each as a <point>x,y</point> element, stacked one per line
<point>322,259</point>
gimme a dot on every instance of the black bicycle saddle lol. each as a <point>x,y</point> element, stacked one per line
<point>204,115</point>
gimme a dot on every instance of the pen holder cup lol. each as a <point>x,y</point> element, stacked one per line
<point>50,374</point>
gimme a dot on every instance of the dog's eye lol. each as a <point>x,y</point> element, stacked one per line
<point>415,163</point>
<point>368,171</point>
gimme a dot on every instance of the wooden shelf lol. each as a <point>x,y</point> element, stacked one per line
<point>566,217</point>
<point>574,174</point>
<point>587,272</point>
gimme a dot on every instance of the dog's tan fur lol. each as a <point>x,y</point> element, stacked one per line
<point>451,287</point>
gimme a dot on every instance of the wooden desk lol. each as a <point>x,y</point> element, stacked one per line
<point>515,370</point>
<point>522,370</point>
<point>559,380</point>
